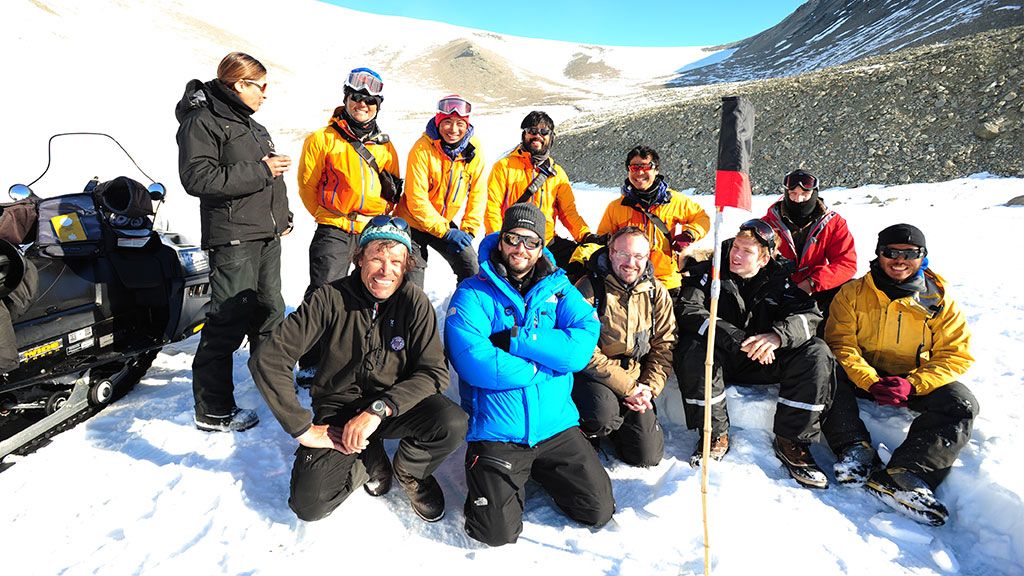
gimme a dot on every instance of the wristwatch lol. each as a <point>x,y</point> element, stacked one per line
<point>378,407</point>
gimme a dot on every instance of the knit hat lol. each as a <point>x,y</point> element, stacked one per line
<point>386,228</point>
<point>525,215</point>
<point>900,234</point>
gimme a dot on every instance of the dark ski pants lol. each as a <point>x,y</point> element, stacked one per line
<point>330,256</point>
<point>638,438</point>
<point>936,436</point>
<point>323,478</point>
<point>464,264</point>
<point>565,465</point>
<point>245,299</point>
<point>806,377</point>
<point>562,249</point>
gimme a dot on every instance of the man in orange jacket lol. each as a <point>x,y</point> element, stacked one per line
<point>529,174</point>
<point>445,173</point>
<point>671,221</point>
<point>339,187</point>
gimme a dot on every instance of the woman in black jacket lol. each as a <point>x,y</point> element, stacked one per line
<point>227,160</point>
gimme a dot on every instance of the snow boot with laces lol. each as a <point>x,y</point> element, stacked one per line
<point>908,494</point>
<point>797,459</point>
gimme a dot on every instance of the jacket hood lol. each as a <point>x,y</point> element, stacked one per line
<point>199,94</point>
<point>600,264</point>
<point>464,146</point>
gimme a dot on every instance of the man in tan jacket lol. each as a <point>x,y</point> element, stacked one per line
<point>615,392</point>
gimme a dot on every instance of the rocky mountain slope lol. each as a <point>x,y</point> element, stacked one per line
<point>922,114</point>
<point>823,33</point>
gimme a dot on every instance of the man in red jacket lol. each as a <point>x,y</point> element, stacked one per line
<point>814,237</point>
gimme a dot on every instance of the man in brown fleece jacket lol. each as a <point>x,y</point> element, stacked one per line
<point>381,376</point>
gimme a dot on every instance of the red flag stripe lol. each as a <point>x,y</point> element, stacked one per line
<point>732,189</point>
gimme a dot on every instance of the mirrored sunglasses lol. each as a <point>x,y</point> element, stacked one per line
<point>513,239</point>
<point>641,167</point>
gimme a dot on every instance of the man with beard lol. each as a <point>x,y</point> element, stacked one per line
<point>615,393</point>
<point>383,380</point>
<point>529,174</point>
<point>340,188</point>
<point>671,221</point>
<point>815,238</point>
<point>515,333</point>
<point>445,173</point>
<point>903,340</point>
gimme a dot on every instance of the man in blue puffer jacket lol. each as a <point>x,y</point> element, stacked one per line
<point>515,334</point>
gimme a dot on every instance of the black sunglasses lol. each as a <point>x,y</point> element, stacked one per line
<point>534,131</point>
<point>513,239</point>
<point>904,253</point>
<point>385,220</point>
<point>764,233</point>
<point>365,98</point>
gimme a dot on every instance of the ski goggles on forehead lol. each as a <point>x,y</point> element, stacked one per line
<point>801,179</point>
<point>764,233</point>
<point>454,105</point>
<point>902,253</point>
<point>365,79</point>
<point>385,220</point>
<point>513,239</point>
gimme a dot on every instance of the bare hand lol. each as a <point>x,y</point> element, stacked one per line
<point>761,347</point>
<point>278,164</point>
<point>641,399</point>
<point>319,437</point>
<point>355,436</point>
<point>805,285</point>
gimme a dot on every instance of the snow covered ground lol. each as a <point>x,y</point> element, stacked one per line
<point>137,490</point>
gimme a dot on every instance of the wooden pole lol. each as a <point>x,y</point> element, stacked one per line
<point>709,360</point>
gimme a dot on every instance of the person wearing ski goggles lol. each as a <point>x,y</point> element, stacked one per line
<point>903,341</point>
<point>764,334</point>
<point>445,174</point>
<point>340,187</point>
<point>813,236</point>
<point>530,174</point>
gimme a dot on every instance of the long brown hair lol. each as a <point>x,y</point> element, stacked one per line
<point>239,66</point>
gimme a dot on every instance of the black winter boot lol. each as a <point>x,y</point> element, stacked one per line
<point>908,494</point>
<point>378,467</point>
<point>426,495</point>
<point>856,462</point>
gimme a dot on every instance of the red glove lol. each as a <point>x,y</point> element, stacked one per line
<point>681,241</point>
<point>891,390</point>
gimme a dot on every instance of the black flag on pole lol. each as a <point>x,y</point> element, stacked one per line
<point>735,145</point>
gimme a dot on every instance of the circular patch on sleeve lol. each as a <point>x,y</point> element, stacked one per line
<point>397,343</point>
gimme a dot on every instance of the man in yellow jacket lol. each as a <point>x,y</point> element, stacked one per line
<point>902,339</point>
<point>443,174</point>
<point>672,221</point>
<point>529,174</point>
<point>340,188</point>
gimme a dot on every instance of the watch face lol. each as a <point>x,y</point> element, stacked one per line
<point>379,408</point>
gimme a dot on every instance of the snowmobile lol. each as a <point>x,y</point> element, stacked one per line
<point>89,294</point>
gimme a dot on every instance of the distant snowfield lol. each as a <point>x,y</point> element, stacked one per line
<point>138,490</point>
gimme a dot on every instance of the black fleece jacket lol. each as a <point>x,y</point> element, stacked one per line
<point>389,350</point>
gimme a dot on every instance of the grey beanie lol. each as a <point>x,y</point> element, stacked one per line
<point>525,215</point>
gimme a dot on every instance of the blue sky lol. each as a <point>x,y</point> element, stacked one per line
<point>617,23</point>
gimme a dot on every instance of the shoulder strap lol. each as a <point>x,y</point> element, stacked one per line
<point>359,147</point>
<point>658,223</point>
<point>535,185</point>
<point>600,293</point>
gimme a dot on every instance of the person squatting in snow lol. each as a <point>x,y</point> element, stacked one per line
<point>902,340</point>
<point>386,382</point>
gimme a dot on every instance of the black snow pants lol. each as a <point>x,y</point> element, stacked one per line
<point>565,465</point>
<point>464,264</point>
<point>245,300</point>
<point>323,478</point>
<point>330,257</point>
<point>638,438</point>
<point>805,374</point>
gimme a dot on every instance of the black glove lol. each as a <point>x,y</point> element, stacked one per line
<point>591,238</point>
<point>502,339</point>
